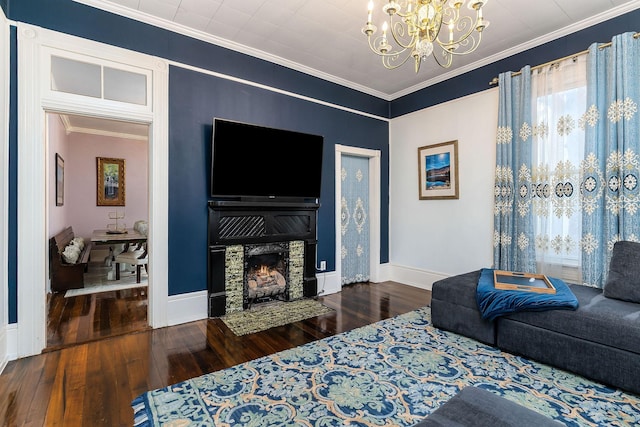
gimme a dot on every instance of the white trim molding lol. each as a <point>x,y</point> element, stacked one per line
<point>412,276</point>
<point>32,195</point>
<point>34,101</point>
<point>186,308</point>
<point>374,208</point>
<point>4,188</point>
<point>328,283</point>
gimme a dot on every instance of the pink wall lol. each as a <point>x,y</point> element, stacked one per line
<point>80,210</point>
<point>57,144</point>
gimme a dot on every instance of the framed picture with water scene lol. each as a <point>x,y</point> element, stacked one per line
<point>110,179</point>
<point>438,171</point>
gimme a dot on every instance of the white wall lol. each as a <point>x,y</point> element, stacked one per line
<point>432,239</point>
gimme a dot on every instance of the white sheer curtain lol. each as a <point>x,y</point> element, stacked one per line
<point>558,103</point>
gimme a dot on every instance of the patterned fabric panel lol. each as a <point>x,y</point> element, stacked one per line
<point>355,219</point>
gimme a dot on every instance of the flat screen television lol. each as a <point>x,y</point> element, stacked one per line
<point>256,162</point>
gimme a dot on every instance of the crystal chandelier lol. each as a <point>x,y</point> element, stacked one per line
<point>416,29</point>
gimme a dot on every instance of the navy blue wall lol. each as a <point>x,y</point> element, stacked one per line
<point>478,80</point>
<point>13,180</point>
<point>194,100</point>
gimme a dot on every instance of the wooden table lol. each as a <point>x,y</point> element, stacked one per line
<point>102,237</point>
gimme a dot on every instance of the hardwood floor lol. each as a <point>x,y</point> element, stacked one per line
<point>85,318</point>
<point>93,384</point>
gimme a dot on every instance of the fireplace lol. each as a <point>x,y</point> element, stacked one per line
<point>259,252</point>
<point>266,269</point>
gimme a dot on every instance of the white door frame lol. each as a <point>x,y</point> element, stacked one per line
<point>374,208</point>
<point>4,188</point>
<point>33,259</point>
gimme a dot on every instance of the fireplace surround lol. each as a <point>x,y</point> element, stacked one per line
<point>240,231</point>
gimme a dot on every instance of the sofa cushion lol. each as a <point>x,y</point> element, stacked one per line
<point>623,281</point>
<point>475,407</point>
<point>454,308</point>
<point>459,290</point>
<point>606,321</point>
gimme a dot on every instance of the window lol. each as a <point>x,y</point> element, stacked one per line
<point>559,101</point>
<point>73,75</point>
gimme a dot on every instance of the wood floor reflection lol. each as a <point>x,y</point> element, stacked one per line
<point>94,383</point>
<point>91,317</point>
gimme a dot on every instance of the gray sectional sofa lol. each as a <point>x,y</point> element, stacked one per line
<point>600,340</point>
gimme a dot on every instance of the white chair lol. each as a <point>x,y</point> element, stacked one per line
<point>138,257</point>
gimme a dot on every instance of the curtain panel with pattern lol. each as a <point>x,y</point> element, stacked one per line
<point>567,163</point>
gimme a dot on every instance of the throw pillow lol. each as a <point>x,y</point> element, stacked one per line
<point>71,254</point>
<point>623,281</point>
<point>79,242</point>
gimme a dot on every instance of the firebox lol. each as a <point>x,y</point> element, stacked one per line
<point>266,273</point>
<point>259,251</point>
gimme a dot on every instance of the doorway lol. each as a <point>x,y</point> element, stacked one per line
<point>38,93</point>
<point>100,304</point>
<point>372,158</point>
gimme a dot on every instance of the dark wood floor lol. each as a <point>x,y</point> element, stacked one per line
<point>91,317</point>
<point>93,384</point>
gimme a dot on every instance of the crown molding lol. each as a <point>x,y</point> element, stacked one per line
<point>69,129</point>
<point>89,131</point>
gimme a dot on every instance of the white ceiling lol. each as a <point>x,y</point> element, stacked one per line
<point>105,127</point>
<point>323,37</point>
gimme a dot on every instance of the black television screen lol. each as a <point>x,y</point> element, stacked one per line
<point>249,161</point>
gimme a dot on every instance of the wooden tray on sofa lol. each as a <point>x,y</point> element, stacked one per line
<point>528,282</point>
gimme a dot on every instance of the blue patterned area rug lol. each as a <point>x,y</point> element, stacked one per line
<point>391,373</point>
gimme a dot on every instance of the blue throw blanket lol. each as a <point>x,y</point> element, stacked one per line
<point>494,302</point>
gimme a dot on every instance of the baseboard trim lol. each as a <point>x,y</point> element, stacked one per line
<point>328,283</point>
<point>184,308</point>
<point>11,331</point>
<point>412,276</point>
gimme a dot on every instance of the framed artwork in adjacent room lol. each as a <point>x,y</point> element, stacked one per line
<point>110,180</point>
<point>59,180</point>
<point>438,171</point>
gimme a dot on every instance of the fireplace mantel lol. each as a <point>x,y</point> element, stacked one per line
<point>252,222</point>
